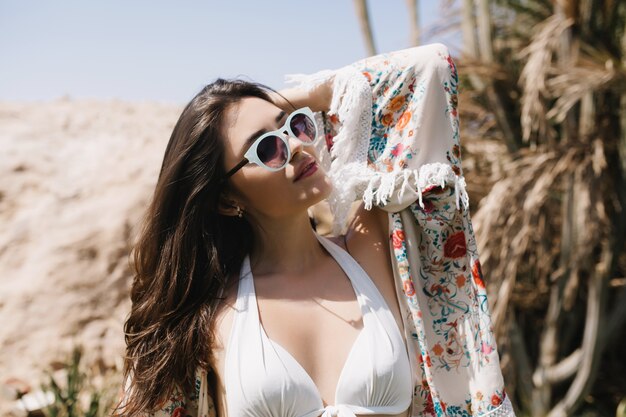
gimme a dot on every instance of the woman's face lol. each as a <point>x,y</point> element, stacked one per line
<point>262,193</point>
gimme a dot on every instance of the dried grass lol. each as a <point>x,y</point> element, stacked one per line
<point>538,55</point>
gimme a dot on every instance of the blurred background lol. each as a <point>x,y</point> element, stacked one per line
<point>89,94</point>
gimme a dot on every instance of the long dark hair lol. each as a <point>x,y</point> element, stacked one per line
<point>185,253</point>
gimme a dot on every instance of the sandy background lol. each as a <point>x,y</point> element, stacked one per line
<point>75,176</point>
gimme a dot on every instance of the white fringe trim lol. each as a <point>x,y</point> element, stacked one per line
<point>383,188</point>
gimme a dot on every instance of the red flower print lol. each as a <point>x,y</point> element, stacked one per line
<point>437,350</point>
<point>477,274</point>
<point>449,59</point>
<point>429,407</point>
<point>456,150</point>
<point>179,412</point>
<point>428,206</point>
<point>451,65</point>
<point>368,76</point>
<point>409,289</point>
<point>495,400</point>
<point>387,119</point>
<point>437,289</point>
<point>435,189</point>
<point>404,120</point>
<point>397,238</point>
<point>427,189</point>
<point>334,118</point>
<point>397,149</point>
<point>456,170</point>
<point>455,246</point>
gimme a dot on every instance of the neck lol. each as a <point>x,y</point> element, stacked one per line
<point>285,246</point>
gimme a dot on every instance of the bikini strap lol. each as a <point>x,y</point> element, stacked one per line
<point>362,282</point>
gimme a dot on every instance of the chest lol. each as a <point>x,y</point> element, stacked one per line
<point>315,320</point>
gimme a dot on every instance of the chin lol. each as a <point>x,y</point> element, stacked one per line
<point>318,190</point>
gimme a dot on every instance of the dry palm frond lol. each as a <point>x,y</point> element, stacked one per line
<point>491,71</point>
<point>570,84</point>
<point>485,153</point>
<point>520,231</point>
<point>545,236</point>
<point>533,76</point>
<point>552,226</point>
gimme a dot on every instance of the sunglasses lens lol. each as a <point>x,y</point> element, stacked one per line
<point>272,152</point>
<point>303,127</point>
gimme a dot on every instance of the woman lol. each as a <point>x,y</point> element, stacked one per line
<point>241,308</point>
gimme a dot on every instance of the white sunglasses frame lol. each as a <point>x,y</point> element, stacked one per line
<point>251,155</point>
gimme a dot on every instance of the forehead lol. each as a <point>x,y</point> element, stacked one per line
<point>247,116</point>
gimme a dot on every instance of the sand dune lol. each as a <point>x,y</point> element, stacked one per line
<point>75,176</point>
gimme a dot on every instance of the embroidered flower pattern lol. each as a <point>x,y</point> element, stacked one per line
<point>445,296</point>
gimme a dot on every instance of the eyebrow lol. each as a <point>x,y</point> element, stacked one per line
<point>259,132</point>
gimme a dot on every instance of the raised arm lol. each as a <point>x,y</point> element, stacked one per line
<point>397,128</point>
<point>317,98</point>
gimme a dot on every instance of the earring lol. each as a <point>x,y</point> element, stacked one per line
<point>239,212</point>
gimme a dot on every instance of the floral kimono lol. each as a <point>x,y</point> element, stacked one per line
<point>392,140</point>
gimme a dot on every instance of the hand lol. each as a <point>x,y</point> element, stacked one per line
<point>317,98</point>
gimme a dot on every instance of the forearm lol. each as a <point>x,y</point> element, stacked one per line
<point>318,98</point>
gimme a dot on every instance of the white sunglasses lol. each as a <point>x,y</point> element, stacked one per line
<point>271,150</point>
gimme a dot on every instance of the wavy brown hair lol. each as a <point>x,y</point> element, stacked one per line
<point>185,253</point>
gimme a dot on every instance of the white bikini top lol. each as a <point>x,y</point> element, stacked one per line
<point>262,379</point>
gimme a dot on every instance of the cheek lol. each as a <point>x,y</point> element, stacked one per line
<point>269,193</point>
<point>274,195</point>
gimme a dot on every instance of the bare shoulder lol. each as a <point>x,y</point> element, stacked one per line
<point>366,228</point>
<point>368,242</point>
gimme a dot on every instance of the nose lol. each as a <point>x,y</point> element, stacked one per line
<point>295,146</point>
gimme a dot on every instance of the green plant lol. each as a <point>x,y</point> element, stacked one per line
<point>67,397</point>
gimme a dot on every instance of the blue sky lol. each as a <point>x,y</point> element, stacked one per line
<point>167,50</point>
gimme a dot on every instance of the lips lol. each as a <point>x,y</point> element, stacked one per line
<point>305,168</point>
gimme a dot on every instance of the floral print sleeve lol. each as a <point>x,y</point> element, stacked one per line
<point>392,133</point>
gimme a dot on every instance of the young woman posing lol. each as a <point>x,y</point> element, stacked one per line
<point>241,309</point>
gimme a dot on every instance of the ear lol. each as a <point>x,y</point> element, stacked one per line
<point>228,207</point>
